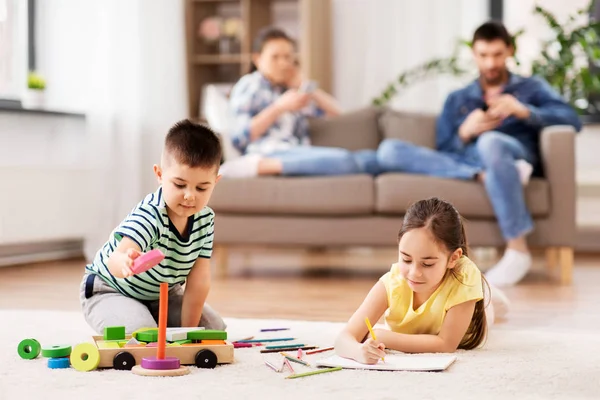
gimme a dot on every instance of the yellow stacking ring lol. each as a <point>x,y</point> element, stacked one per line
<point>85,357</point>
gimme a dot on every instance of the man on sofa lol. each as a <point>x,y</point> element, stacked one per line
<point>489,131</point>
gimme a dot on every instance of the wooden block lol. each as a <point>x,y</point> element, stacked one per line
<point>133,341</point>
<point>102,344</point>
<point>183,341</point>
<point>207,334</point>
<point>212,342</point>
<point>114,333</point>
<point>176,336</point>
<point>148,336</point>
<point>135,345</point>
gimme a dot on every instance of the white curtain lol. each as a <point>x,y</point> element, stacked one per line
<point>136,92</point>
<point>375,40</point>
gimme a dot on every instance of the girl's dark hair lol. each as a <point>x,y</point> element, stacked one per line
<point>446,225</point>
<point>264,36</point>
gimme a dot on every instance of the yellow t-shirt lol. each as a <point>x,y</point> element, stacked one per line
<point>428,318</point>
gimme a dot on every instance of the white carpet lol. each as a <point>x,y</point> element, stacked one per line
<point>513,365</point>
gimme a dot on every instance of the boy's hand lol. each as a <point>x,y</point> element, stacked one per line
<point>371,352</point>
<point>131,255</point>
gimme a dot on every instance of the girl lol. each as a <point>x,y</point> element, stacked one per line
<point>271,106</point>
<point>433,298</point>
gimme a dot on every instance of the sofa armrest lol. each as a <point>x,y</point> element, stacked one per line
<point>557,147</point>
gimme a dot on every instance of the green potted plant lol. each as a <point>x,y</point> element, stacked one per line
<point>565,61</point>
<point>34,95</point>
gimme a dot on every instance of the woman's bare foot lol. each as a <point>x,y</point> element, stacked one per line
<point>269,166</point>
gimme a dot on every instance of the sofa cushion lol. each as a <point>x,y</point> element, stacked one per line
<point>343,195</point>
<point>354,130</point>
<point>396,192</point>
<point>412,127</point>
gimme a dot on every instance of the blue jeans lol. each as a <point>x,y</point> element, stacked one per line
<point>315,161</point>
<point>493,152</point>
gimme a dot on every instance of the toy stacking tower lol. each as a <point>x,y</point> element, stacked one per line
<point>161,365</point>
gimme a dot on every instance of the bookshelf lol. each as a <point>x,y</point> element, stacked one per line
<point>226,60</point>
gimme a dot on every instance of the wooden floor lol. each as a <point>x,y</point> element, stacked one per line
<point>295,285</point>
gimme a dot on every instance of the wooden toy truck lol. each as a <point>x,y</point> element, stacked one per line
<point>198,354</point>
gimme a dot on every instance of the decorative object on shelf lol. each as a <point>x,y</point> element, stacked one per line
<point>231,36</point>
<point>210,29</point>
<point>566,61</point>
<point>34,96</point>
<point>227,32</point>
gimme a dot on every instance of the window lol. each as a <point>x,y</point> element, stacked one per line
<point>13,48</point>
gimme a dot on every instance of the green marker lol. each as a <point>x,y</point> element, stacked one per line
<point>319,371</point>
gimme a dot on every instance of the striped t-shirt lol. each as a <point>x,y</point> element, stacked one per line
<point>149,226</point>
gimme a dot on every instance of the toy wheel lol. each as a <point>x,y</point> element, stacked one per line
<point>123,361</point>
<point>206,359</point>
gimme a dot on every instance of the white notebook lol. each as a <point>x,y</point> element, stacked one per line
<point>394,362</point>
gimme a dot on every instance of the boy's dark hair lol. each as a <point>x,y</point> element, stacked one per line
<point>492,30</point>
<point>264,36</point>
<point>194,145</point>
<point>447,228</point>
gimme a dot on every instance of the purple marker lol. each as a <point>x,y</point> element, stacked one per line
<point>274,329</point>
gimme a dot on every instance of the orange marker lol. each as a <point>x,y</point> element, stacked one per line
<point>162,321</point>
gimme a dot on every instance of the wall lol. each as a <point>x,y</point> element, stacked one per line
<point>45,181</point>
<point>63,38</point>
<point>376,40</point>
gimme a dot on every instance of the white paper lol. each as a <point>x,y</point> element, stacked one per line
<point>394,362</point>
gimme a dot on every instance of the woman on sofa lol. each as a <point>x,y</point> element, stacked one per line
<point>271,106</point>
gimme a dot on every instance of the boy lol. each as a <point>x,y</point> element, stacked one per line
<point>174,219</point>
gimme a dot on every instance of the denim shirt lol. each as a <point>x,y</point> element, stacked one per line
<point>251,95</point>
<point>546,108</point>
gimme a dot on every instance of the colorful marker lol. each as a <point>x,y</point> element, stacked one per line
<point>319,350</point>
<point>319,371</point>
<point>274,329</point>
<point>286,346</point>
<point>266,340</point>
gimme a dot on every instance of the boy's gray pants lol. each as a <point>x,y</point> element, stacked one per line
<point>104,306</point>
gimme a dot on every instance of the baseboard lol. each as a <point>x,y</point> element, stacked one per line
<point>25,253</point>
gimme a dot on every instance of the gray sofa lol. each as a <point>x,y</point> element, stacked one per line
<point>361,210</point>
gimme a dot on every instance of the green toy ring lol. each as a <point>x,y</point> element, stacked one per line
<point>29,349</point>
<point>56,351</point>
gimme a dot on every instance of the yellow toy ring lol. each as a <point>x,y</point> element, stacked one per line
<point>85,357</point>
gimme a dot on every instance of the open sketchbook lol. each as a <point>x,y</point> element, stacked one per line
<point>394,362</point>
